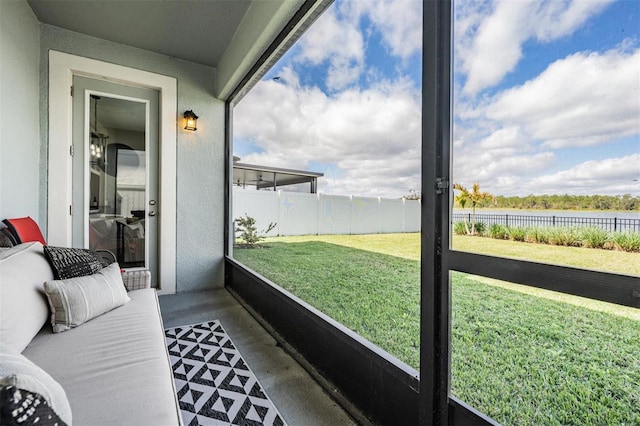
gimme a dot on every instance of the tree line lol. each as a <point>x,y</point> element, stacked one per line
<point>566,202</point>
<point>476,198</point>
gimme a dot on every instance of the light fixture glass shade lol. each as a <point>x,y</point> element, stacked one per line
<point>191,121</point>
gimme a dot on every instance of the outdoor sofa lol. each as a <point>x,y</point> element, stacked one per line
<point>112,369</point>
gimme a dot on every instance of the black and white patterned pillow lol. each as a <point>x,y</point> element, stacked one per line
<point>72,262</point>
<point>22,407</point>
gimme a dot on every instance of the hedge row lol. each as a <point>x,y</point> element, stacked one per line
<point>591,237</point>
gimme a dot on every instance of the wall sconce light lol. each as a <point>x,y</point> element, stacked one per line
<point>191,121</point>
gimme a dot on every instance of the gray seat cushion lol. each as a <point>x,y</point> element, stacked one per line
<point>114,368</point>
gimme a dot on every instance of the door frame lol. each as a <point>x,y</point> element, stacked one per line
<point>62,68</point>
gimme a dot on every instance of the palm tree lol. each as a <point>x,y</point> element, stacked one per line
<point>475,196</point>
<point>462,200</point>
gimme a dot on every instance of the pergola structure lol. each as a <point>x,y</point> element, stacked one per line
<point>264,177</point>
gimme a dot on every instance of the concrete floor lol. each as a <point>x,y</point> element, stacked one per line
<point>298,397</point>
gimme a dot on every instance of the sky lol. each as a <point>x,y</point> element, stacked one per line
<point>546,99</point>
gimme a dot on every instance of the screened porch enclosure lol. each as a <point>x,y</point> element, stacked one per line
<point>385,389</point>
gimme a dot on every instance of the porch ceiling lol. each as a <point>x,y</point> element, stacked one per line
<point>194,30</point>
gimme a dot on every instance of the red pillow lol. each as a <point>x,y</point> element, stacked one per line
<point>25,230</point>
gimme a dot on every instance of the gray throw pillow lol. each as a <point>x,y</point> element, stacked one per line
<point>77,300</point>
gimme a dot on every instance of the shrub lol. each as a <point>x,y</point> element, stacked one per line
<point>497,231</point>
<point>564,236</point>
<point>516,233</point>
<point>594,237</point>
<point>537,234</point>
<point>627,241</point>
<point>459,228</point>
<point>480,228</point>
<point>248,232</point>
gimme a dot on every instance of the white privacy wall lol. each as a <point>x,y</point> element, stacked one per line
<point>311,214</point>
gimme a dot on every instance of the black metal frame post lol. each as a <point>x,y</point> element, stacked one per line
<point>434,312</point>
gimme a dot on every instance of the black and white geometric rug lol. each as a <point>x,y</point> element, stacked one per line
<point>215,385</point>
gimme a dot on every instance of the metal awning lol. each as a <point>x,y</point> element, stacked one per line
<point>265,177</point>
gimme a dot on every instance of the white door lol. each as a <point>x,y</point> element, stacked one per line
<point>115,171</point>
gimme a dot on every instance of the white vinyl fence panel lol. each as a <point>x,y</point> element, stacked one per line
<point>260,205</point>
<point>319,214</point>
<point>365,215</point>
<point>334,216</point>
<point>390,211</point>
<point>412,216</point>
<point>298,213</point>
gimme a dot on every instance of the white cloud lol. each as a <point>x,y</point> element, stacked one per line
<point>371,135</point>
<point>525,174</point>
<point>389,177</point>
<point>331,36</point>
<point>489,40</point>
<point>337,41</point>
<point>611,176</point>
<point>398,21</point>
<point>505,138</point>
<point>499,171</point>
<point>337,37</point>
<point>584,99</point>
<point>557,20</point>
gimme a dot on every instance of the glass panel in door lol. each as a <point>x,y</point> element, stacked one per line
<point>118,183</point>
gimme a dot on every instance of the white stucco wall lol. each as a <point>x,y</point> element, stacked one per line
<point>19,97</point>
<point>199,156</point>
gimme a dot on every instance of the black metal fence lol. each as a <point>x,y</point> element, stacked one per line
<point>614,224</point>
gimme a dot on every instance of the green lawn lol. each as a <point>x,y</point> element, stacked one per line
<point>521,358</point>
<point>408,246</point>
